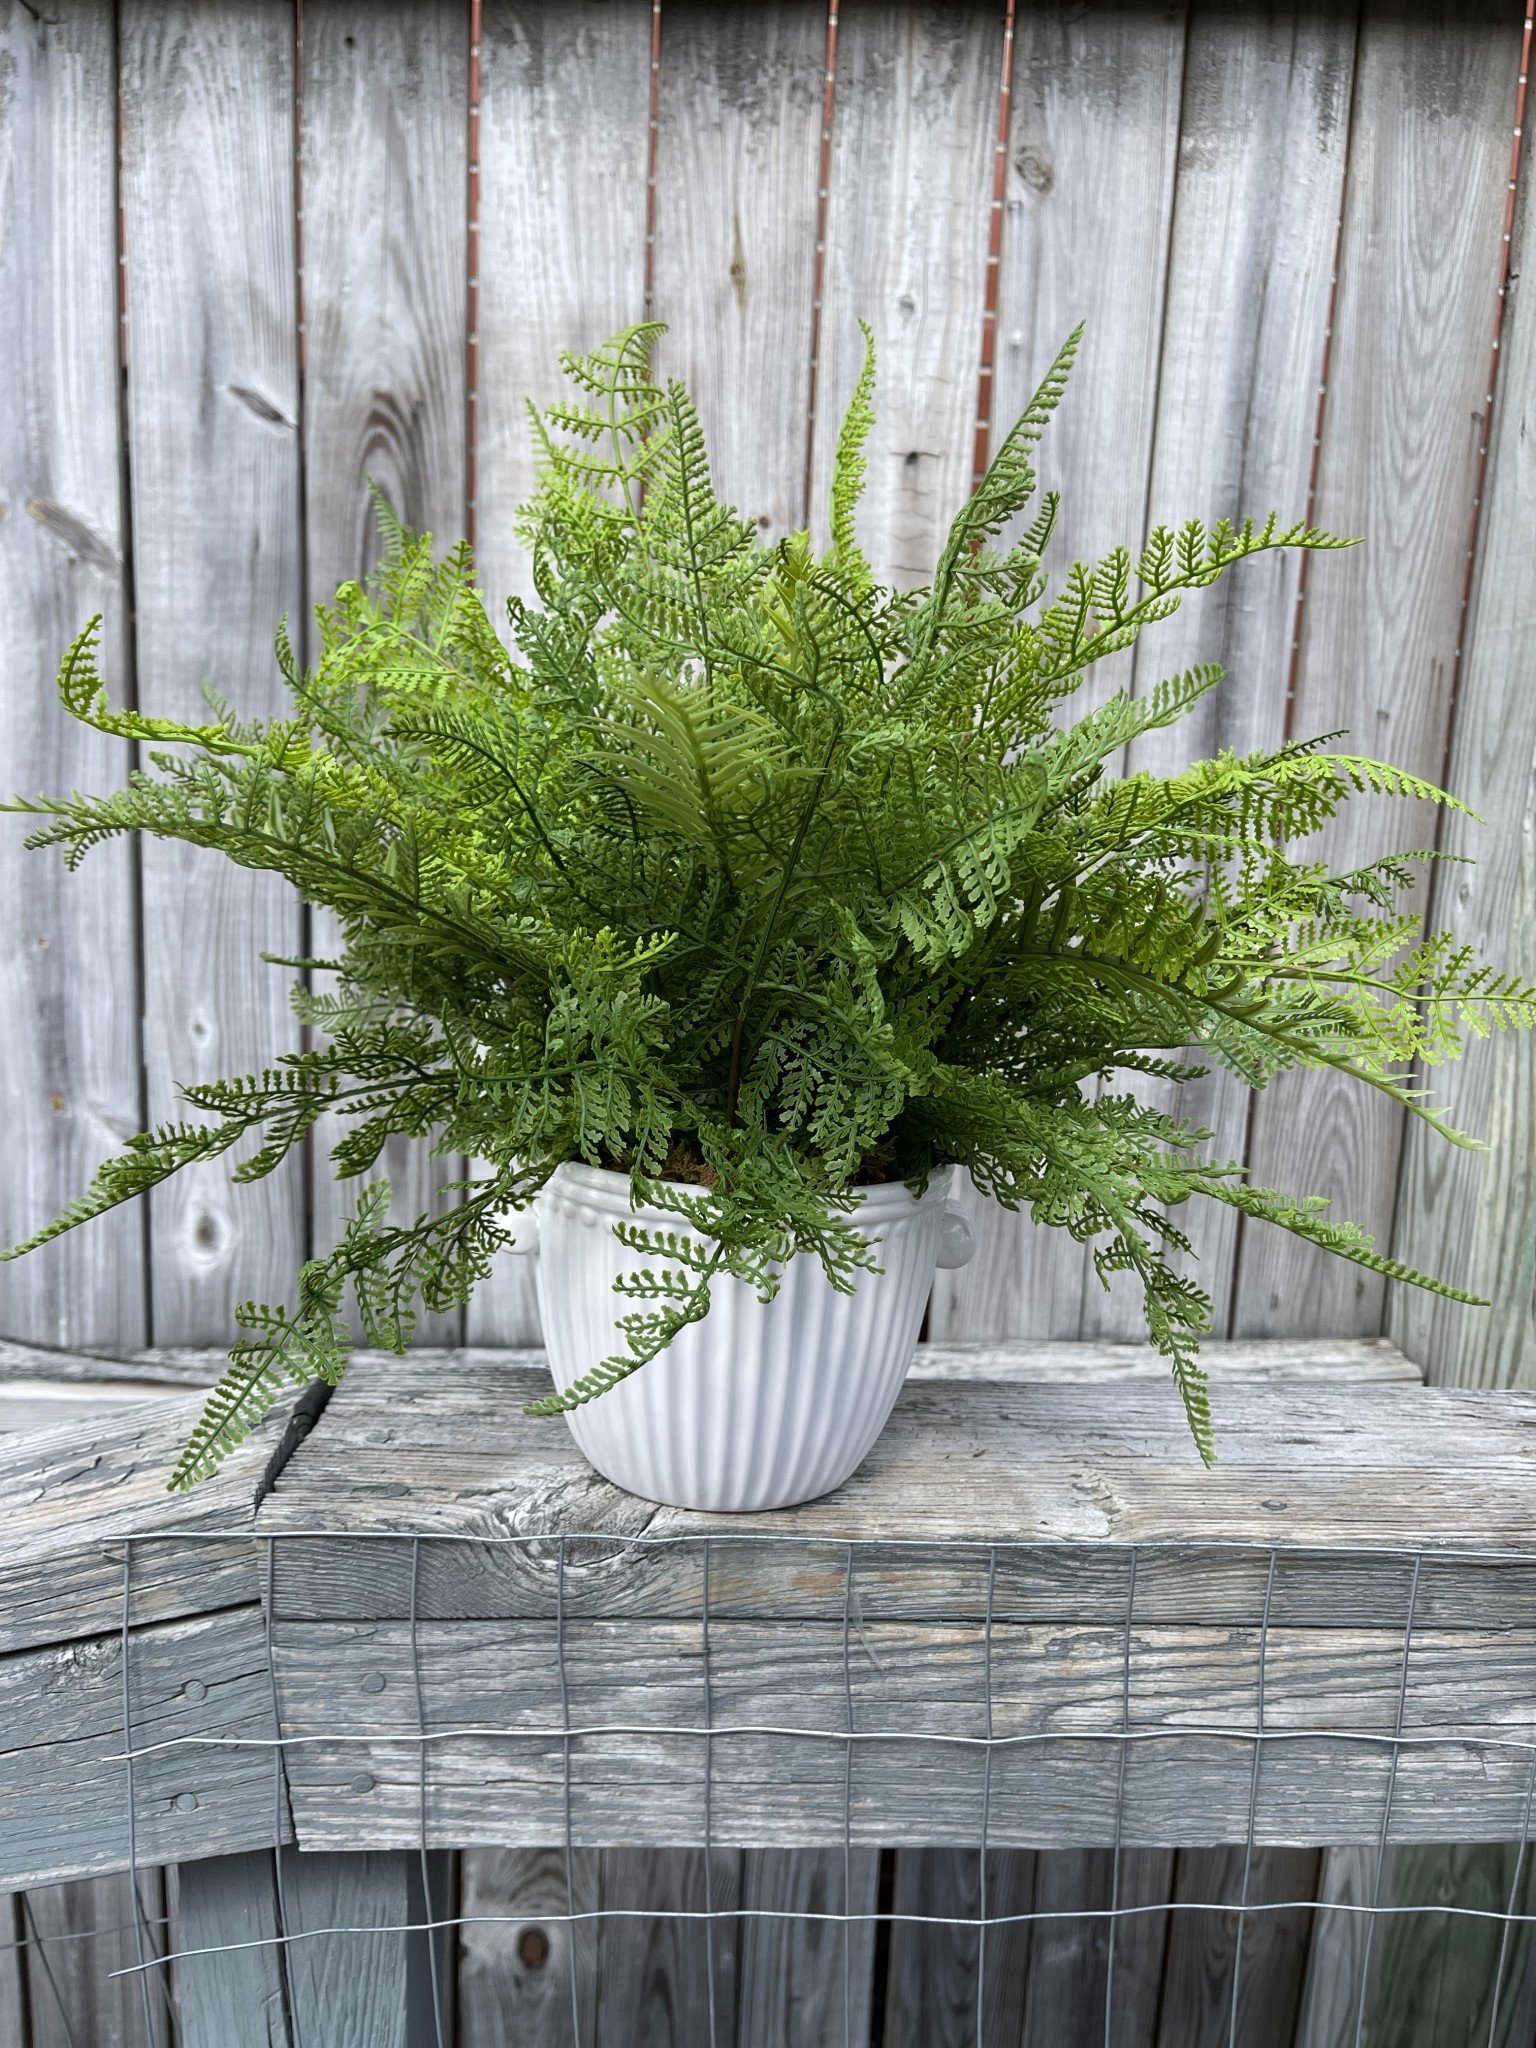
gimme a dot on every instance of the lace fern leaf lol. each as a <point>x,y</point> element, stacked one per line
<point>848,467</point>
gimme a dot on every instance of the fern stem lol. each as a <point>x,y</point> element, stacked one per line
<point>733,1085</point>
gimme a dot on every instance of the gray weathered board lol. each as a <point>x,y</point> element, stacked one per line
<point>390,1557</point>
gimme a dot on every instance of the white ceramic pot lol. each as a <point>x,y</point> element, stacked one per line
<point>757,1406</point>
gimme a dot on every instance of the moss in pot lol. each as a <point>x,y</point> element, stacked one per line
<point>740,904</point>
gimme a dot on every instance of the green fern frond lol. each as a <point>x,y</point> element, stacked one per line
<point>144,1162</point>
<point>1007,485</point>
<point>84,696</point>
<point>849,465</point>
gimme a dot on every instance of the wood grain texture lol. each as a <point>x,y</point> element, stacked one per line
<point>1355,1360</point>
<point>47,1363</point>
<point>199,1687</point>
<point>24,1367</point>
<point>1069,1960</point>
<point>1330,1990</point>
<point>1430,1978</point>
<point>1433,1977</point>
<point>657,1977</point>
<point>45,1404</point>
<point>78,1935</point>
<point>1087,216</point>
<point>69,1083</point>
<point>70,1496</point>
<point>940,1992</point>
<point>564,96</point>
<point>1203,1957</point>
<point>906,248</point>
<point>1370,1465</point>
<point>778,1778</point>
<point>1388,1440</point>
<point>629,1570</point>
<point>518,1954</point>
<point>233,1999</point>
<point>737,151</point>
<point>1434,104</point>
<point>528,1973</point>
<point>1262,145</point>
<point>1468,1215</point>
<point>208,203</point>
<point>384,182</point>
<point>347,1990</point>
<point>796,1988</point>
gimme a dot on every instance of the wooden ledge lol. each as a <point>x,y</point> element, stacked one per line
<point>1096,1459</point>
<point>42,1387</point>
<point>1046,1536</point>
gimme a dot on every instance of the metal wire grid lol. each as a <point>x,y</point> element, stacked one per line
<point>152,1964</point>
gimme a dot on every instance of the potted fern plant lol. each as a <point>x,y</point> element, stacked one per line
<point>735,905</point>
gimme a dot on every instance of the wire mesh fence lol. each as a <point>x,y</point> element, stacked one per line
<point>612,1692</point>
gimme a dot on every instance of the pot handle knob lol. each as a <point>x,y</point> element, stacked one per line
<point>522,1225</point>
<point>957,1240</point>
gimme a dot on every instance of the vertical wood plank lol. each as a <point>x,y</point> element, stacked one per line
<point>792,1972</point>
<point>79,1934</point>
<point>347,1990</point>
<point>563,109</point>
<point>517,1958</point>
<point>1471,1216</point>
<point>932,1986</point>
<point>564,98</point>
<point>1431,1976</point>
<point>906,248</point>
<point>654,1976</point>
<point>1088,205</point>
<point>13,1971</point>
<point>213,417</point>
<point>737,155</point>
<point>1088,208</point>
<point>234,1998</point>
<point>1264,135</point>
<point>385,210</point>
<point>431,1951</point>
<point>1331,1987</point>
<point>69,1083</point>
<point>384,185</point>
<point>1435,1978</point>
<point>1069,1958</point>
<point>1434,105</point>
<point>1196,2006</point>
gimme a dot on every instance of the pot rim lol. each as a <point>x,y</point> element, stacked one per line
<point>597,1187</point>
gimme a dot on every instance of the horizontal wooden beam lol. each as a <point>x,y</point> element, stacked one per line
<point>429,1565</point>
<point>765,1724</point>
<point>69,1499</point>
<point>1095,1463</point>
<point>1355,1358</point>
<point>205,1778</point>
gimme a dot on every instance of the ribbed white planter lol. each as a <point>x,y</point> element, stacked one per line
<point>758,1406</point>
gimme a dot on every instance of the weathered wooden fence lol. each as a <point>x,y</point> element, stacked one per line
<point>253,252</point>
